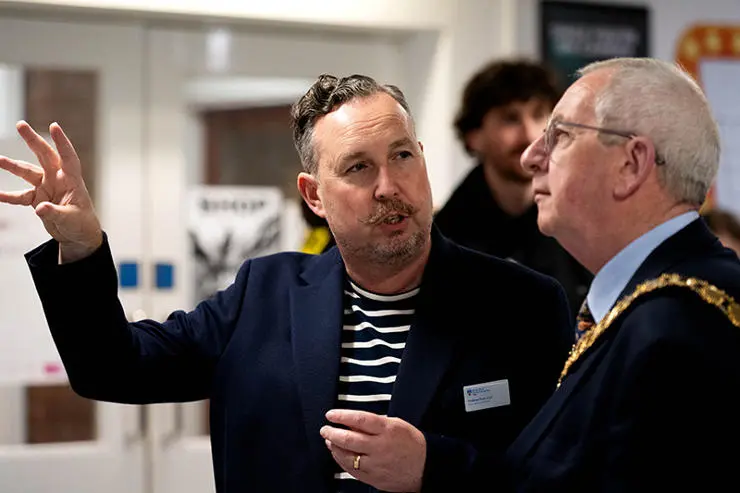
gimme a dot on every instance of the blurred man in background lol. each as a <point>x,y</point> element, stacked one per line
<point>504,108</point>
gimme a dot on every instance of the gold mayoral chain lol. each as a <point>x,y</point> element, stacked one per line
<point>706,291</point>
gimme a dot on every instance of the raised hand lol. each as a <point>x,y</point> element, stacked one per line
<point>57,194</point>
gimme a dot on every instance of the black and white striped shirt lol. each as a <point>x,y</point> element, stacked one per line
<point>374,336</point>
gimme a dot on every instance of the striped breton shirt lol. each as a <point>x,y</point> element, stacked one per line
<point>373,339</point>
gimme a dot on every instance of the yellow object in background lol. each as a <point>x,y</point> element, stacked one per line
<point>316,240</point>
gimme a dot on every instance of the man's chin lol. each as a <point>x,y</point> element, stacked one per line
<point>544,226</point>
<point>402,245</point>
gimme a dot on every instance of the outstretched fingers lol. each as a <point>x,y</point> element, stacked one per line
<point>70,160</point>
<point>45,153</point>
<point>24,197</point>
<point>26,171</point>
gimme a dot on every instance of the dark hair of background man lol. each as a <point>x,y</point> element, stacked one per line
<point>498,84</point>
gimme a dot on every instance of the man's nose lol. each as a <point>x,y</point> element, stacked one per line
<point>386,186</point>
<point>535,157</point>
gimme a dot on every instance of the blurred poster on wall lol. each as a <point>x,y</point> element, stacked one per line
<point>573,34</point>
<point>227,225</point>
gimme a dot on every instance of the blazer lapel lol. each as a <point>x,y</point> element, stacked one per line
<point>431,341</point>
<point>316,319</point>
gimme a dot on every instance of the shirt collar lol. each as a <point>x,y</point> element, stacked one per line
<point>611,280</point>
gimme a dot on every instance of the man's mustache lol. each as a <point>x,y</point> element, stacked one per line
<point>389,207</point>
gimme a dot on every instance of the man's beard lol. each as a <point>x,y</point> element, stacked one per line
<point>395,251</point>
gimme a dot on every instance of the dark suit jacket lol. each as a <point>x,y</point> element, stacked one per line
<point>653,404</point>
<point>266,352</point>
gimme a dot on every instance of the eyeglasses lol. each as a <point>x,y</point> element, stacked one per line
<point>551,136</point>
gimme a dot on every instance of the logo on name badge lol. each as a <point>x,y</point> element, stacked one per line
<point>486,395</point>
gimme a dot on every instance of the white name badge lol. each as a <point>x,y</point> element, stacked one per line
<point>486,395</point>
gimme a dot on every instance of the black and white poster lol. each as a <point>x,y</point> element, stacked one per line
<point>574,34</point>
<point>228,225</point>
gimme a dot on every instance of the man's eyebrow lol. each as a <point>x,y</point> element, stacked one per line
<point>401,143</point>
<point>357,155</point>
<point>351,156</point>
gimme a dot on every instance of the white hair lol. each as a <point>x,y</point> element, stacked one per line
<point>659,100</point>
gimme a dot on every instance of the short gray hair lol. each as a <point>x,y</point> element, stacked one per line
<point>659,100</point>
<point>324,96</point>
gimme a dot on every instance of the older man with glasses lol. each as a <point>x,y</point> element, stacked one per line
<point>647,400</point>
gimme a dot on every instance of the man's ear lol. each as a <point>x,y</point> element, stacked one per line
<point>637,167</point>
<point>308,186</point>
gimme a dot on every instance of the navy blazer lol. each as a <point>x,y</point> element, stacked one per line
<point>266,352</point>
<point>653,404</point>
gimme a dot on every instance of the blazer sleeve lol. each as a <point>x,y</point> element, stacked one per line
<point>456,465</point>
<point>106,357</point>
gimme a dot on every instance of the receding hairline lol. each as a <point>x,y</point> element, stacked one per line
<point>402,113</point>
<point>365,98</point>
<point>379,94</point>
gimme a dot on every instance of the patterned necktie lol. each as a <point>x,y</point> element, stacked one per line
<point>584,320</point>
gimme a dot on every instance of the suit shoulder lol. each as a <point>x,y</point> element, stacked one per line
<point>283,258</point>
<point>721,270</point>
<point>675,328</point>
<point>683,316</point>
<point>283,263</point>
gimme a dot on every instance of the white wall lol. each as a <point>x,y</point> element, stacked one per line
<point>373,14</point>
<point>12,415</point>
